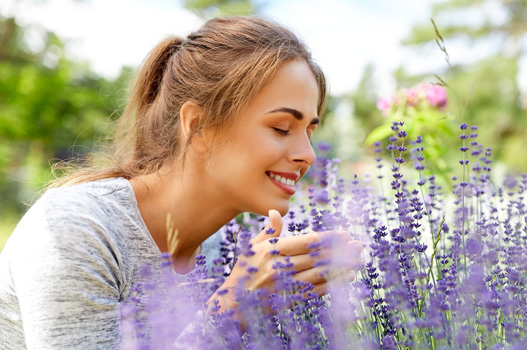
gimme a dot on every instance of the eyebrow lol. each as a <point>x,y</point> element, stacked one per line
<point>295,113</point>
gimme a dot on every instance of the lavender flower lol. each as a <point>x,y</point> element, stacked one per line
<point>436,274</point>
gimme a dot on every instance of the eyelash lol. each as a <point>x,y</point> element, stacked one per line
<point>281,132</point>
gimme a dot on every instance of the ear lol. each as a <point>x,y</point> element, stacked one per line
<point>190,113</point>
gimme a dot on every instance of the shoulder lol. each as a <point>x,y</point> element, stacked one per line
<point>97,222</point>
<point>69,263</point>
<point>71,231</point>
<point>89,197</point>
<point>86,216</point>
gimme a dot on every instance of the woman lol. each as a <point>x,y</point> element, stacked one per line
<point>216,125</point>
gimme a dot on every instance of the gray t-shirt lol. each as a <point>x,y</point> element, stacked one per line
<point>68,265</point>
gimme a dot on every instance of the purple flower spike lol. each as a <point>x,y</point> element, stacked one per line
<point>324,146</point>
<point>222,292</point>
<point>430,272</point>
<point>252,269</point>
<point>270,231</point>
<point>273,240</point>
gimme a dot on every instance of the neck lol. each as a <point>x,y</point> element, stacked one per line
<point>196,212</point>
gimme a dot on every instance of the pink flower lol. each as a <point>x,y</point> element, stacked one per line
<point>436,95</point>
<point>384,104</point>
<point>412,97</point>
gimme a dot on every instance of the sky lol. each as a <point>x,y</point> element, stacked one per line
<point>344,35</point>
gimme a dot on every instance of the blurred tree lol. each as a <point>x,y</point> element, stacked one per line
<point>505,18</point>
<point>47,104</point>
<point>212,8</point>
<point>364,100</point>
<point>487,92</point>
<point>490,98</point>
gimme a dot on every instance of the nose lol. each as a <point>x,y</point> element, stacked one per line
<point>303,152</point>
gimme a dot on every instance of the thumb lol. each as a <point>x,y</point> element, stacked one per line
<point>273,229</point>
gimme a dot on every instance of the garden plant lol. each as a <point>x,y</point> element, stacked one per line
<point>444,258</point>
<point>441,269</point>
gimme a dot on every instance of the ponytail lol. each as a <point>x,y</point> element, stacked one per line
<point>148,78</point>
<point>120,159</point>
<point>139,128</point>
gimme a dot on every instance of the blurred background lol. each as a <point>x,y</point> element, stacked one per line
<point>65,67</point>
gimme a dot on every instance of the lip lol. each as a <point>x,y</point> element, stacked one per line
<point>286,188</point>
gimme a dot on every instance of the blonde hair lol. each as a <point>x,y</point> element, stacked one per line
<point>220,67</point>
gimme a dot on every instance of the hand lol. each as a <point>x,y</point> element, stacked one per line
<point>333,247</point>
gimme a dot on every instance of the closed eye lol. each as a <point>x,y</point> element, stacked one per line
<point>281,132</point>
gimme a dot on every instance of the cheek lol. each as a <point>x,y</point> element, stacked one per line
<point>263,149</point>
<point>250,152</point>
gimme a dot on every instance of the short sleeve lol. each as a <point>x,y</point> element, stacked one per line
<point>67,277</point>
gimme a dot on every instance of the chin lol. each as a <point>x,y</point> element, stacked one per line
<point>282,208</point>
<point>283,211</point>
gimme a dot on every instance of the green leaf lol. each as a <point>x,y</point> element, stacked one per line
<point>379,133</point>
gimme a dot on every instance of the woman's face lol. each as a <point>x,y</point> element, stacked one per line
<point>268,149</point>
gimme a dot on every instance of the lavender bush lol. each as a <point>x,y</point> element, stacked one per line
<point>441,270</point>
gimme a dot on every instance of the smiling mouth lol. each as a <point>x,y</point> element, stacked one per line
<point>281,179</point>
<point>286,184</point>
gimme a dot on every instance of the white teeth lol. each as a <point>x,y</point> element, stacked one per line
<point>281,179</point>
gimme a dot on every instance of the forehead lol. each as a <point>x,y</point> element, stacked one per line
<point>293,86</point>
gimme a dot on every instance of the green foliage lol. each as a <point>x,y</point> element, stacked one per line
<point>339,130</point>
<point>213,8</point>
<point>364,100</point>
<point>47,104</point>
<point>422,110</point>
<point>486,93</point>
<point>513,28</point>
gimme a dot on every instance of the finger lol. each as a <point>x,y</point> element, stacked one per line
<point>321,289</point>
<point>334,238</point>
<point>324,257</point>
<point>325,287</point>
<point>302,244</point>
<point>337,262</point>
<point>300,262</point>
<point>275,223</point>
<point>297,245</point>
<point>314,276</point>
<point>346,255</point>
